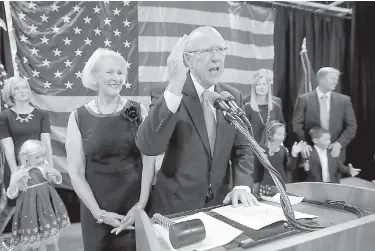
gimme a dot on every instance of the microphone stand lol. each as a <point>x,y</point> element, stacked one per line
<point>288,211</point>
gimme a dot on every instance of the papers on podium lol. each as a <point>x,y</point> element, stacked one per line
<point>257,217</point>
<point>276,198</point>
<point>218,233</point>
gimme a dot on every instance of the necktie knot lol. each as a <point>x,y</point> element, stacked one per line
<point>324,97</point>
<point>205,95</point>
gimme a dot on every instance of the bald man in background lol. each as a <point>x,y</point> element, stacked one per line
<point>197,141</point>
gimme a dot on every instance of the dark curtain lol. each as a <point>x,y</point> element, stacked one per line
<point>362,88</point>
<point>5,54</point>
<point>328,44</point>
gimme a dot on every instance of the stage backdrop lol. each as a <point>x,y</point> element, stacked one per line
<point>51,41</point>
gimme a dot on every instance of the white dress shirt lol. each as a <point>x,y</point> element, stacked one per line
<point>324,163</point>
<point>320,95</point>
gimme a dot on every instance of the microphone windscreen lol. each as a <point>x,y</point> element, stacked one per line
<point>212,96</point>
<point>226,94</point>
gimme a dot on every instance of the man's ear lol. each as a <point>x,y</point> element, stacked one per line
<point>188,60</point>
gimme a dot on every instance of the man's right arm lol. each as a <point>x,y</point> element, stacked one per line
<point>298,120</point>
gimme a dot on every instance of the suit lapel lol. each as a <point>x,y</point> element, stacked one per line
<point>223,128</point>
<point>315,104</point>
<point>191,100</point>
<point>315,158</point>
<point>333,110</point>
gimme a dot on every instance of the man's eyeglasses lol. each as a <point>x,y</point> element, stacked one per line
<point>209,52</point>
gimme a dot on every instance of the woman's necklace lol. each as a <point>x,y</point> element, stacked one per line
<point>268,116</point>
<point>27,119</point>
<point>116,108</point>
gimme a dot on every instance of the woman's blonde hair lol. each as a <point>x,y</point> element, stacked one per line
<point>30,147</point>
<point>8,89</point>
<point>268,76</point>
<point>90,69</point>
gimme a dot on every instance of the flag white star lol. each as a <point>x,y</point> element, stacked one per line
<point>33,28</point>
<point>22,16</point>
<point>78,74</point>
<point>23,38</point>
<point>106,1</point>
<point>87,20</point>
<point>116,12</point>
<point>6,106</point>
<point>66,19</point>
<point>126,43</point>
<point>68,63</point>
<point>25,60</point>
<point>77,30</point>
<point>46,62</point>
<point>57,74</point>
<point>87,41</point>
<point>44,40</point>
<point>107,21</point>
<point>44,18</point>
<point>128,85</point>
<point>55,29</point>
<point>55,7</point>
<point>126,23</point>
<point>126,3</point>
<point>78,52</point>
<point>118,52</point>
<point>128,64</point>
<point>34,51</point>
<point>32,5</point>
<point>68,85</point>
<point>97,31</point>
<point>67,41</point>
<point>57,52</point>
<point>26,78</point>
<point>35,73</point>
<point>117,33</point>
<point>3,73</point>
<point>76,8</point>
<point>107,42</point>
<point>96,9</point>
<point>47,84</point>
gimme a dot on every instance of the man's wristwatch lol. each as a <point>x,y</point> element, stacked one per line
<point>102,215</point>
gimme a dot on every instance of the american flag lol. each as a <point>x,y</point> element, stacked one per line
<point>55,39</point>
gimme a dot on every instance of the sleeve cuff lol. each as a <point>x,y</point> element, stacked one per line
<point>57,179</point>
<point>12,196</point>
<point>173,101</point>
<point>244,188</point>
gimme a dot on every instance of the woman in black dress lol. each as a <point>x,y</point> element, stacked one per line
<point>104,164</point>
<point>18,124</point>
<point>263,106</point>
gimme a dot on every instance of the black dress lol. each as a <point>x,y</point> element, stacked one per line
<point>255,120</point>
<point>113,171</point>
<point>20,132</point>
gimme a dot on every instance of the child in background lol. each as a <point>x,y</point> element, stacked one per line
<point>40,213</point>
<point>278,156</point>
<point>321,166</point>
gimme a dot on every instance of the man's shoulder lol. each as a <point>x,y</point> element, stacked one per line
<point>340,96</point>
<point>307,95</point>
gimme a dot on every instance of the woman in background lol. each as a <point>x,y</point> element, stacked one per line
<point>263,106</point>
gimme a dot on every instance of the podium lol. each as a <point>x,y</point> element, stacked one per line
<point>345,232</point>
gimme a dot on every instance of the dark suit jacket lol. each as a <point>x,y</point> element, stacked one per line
<point>183,180</point>
<point>342,121</point>
<point>335,167</point>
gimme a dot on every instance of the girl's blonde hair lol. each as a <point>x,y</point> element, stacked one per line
<point>30,147</point>
<point>269,130</point>
<point>258,75</point>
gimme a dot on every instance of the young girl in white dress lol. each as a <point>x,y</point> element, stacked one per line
<point>40,213</point>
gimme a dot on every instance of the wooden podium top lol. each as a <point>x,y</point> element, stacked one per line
<point>346,231</point>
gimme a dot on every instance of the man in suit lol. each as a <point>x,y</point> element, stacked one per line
<point>327,109</point>
<point>321,166</point>
<point>197,141</point>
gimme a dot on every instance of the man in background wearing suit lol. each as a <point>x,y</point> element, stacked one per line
<point>326,109</point>
<point>197,141</point>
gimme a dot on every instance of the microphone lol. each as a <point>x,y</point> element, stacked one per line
<point>230,101</point>
<point>217,101</point>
